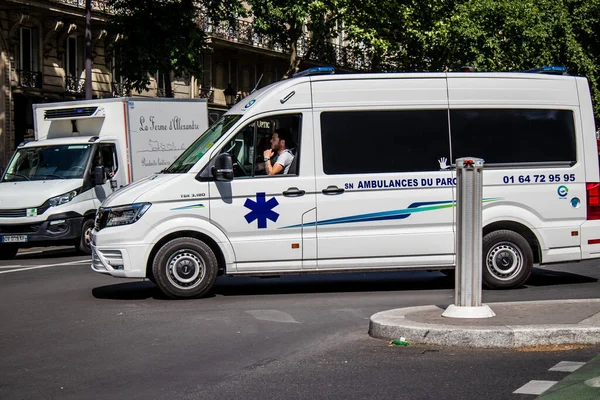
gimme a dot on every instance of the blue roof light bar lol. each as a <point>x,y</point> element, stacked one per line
<point>314,71</point>
<point>549,69</point>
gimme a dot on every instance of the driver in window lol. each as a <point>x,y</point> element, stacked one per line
<point>279,157</point>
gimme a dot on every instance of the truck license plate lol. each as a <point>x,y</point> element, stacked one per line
<point>14,239</point>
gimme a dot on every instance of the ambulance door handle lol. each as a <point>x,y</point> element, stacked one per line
<point>294,192</point>
<point>333,190</point>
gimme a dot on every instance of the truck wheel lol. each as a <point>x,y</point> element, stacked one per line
<point>185,268</point>
<point>85,243</point>
<point>8,252</point>
<point>507,260</point>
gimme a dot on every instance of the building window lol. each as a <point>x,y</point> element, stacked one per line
<point>74,61</point>
<point>29,49</point>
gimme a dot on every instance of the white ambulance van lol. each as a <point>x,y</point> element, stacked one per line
<point>371,186</point>
<point>85,150</point>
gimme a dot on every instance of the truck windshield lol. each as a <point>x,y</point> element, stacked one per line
<point>195,152</point>
<point>48,162</point>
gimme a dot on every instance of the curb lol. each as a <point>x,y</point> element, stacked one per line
<point>393,324</point>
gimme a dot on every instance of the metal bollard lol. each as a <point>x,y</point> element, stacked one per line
<point>469,199</point>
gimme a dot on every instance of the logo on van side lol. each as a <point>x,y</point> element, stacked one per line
<point>261,210</point>
<point>562,191</point>
<point>250,103</point>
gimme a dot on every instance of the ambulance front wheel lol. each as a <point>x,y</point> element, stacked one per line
<point>185,268</point>
<point>507,260</point>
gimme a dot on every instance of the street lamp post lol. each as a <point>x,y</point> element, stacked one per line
<point>230,95</point>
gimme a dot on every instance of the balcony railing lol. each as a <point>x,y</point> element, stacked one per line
<point>74,85</point>
<point>30,79</point>
<point>208,94</point>
<point>327,52</point>
<point>97,5</point>
<point>119,90</point>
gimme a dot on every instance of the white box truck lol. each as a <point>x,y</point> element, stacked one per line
<point>84,151</point>
<point>369,184</point>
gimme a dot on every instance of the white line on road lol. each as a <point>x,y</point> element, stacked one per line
<point>567,366</point>
<point>273,316</point>
<point>535,387</point>
<point>10,266</point>
<point>47,266</point>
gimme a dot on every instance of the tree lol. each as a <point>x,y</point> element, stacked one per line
<point>516,35</point>
<point>163,36</point>
<point>287,22</point>
<point>492,35</point>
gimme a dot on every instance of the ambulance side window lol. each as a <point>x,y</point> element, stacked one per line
<point>248,146</point>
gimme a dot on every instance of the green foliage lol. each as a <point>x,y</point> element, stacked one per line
<point>492,35</point>
<point>163,35</point>
<point>284,22</point>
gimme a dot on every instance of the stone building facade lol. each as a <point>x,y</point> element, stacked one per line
<point>42,60</point>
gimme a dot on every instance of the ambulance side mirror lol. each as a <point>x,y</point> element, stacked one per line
<point>222,169</point>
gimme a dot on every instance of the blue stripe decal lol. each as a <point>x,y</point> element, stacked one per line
<point>189,207</point>
<point>387,215</point>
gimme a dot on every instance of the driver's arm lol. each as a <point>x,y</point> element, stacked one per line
<point>273,169</point>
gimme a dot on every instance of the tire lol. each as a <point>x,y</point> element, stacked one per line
<point>185,268</point>
<point>507,260</point>
<point>84,245</point>
<point>8,252</point>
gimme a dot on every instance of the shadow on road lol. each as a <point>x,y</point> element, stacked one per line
<point>48,253</point>
<point>139,290</point>
<point>547,277</point>
<point>327,283</point>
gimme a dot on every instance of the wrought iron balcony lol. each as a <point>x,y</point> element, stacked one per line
<point>119,90</point>
<point>29,79</point>
<point>243,32</point>
<point>208,94</point>
<point>74,85</point>
<point>97,5</point>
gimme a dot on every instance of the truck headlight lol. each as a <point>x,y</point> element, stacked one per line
<point>125,215</point>
<point>63,198</point>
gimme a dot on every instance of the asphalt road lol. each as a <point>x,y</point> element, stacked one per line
<point>69,333</point>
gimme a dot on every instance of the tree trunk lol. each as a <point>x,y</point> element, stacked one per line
<point>168,86</point>
<point>294,60</point>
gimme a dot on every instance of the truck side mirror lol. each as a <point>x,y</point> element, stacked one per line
<point>99,178</point>
<point>222,169</point>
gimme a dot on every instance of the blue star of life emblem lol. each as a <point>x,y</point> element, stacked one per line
<point>261,210</point>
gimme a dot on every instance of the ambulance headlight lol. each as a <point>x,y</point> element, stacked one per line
<point>63,198</point>
<point>125,215</point>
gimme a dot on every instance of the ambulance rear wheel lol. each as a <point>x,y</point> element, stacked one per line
<point>8,252</point>
<point>507,260</point>
<point>185,268</point>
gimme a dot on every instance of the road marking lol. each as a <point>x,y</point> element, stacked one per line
<point>47,266</point>
<point>594,382</point>
<point>10,266</point>
<point>535,387</point>
<point>567,366</point>
<point>273,316</point>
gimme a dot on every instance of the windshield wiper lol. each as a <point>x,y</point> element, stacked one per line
<point>19,175</point>
<point>52,176</point>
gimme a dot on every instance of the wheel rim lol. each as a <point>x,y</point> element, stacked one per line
<point>504,261</point>
<point>185,269</point>
<point>87,237</point>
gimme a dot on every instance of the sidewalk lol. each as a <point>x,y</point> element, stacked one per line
<point>516,324</point>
